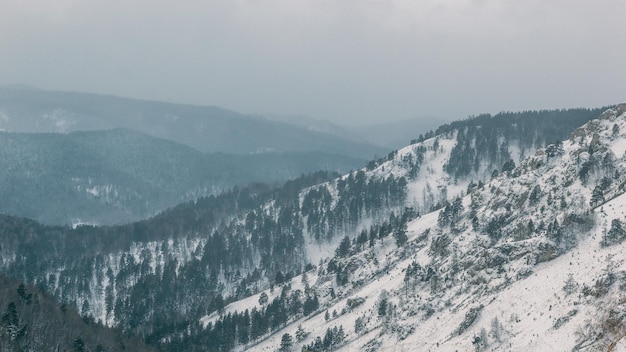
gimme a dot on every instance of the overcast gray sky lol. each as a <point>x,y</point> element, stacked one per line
<point>349,61</point>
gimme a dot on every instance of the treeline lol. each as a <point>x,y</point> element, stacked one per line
<point>241,328</point>
<point>358,197</point>
<point>412,162</point>
<point>20,235</point>
<point>487,138</point>
<point>332,338</point>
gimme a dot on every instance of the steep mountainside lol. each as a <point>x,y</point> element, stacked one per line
<point>208,129</point>
<point>410,251</point>
<point>528,261</point>
<point>120,175</point>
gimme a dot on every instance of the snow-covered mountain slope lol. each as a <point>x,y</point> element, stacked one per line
<point>429,168</point>
<point>382,269</point>
<point>532,260</point>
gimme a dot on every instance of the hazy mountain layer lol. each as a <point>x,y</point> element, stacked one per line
<point>208,129</point>
<point>118,176</point>
<point>396,134</point>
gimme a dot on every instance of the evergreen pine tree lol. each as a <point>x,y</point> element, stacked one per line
<point>597,196</point>
<point>286,343</point>
<point>400,234</point>
<point>301,334</point>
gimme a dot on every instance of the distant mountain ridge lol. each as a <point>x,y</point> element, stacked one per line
<point>117,176</point>
<point>206,128</point>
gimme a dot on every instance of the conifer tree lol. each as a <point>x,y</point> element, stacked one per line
<point>286,343</point>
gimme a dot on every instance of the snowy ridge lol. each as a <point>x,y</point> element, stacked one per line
<point>530,262</point>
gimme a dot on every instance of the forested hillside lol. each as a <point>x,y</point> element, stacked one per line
<point>169,279</point>
<point>33,320</point>
<point>506,136</point>
<point>199,251</point>
<point>526,258</point>
<point>118,176</point>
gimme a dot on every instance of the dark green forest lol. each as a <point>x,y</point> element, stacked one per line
<point>33,320</point>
